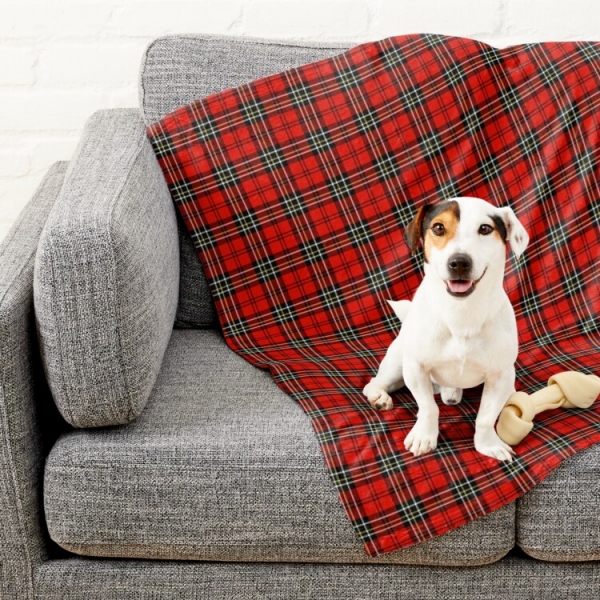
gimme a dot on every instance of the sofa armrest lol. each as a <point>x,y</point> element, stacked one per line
<point>106,279</point>
<point>24,398</point>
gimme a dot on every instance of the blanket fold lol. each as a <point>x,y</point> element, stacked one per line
<point>296,188</point>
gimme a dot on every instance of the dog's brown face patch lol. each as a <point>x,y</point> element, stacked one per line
<point>440,226</point>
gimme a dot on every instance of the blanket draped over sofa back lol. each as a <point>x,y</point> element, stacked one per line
<point>295,189</point>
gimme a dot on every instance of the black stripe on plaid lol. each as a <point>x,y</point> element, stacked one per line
<point>377,279</point>
<point>455,75</point>
<point>573,282</point>
<point>206,128</point>
<point>550,73</point>
<point>203,238</point>
<point>531,303</point>
<point>412,511</point>
<point>590,53</point>
<point>465,488</point>
<point>367,120</point>
<point>589,325</point>
<point>348,77</point>
<point>386,166</point>
<point>594,211</point>
<point>163,144</point>
<point>236,327</point>
<point>434,40</point>
<point>285,312</point>
<point>569,116</point>
<point>320,140</point>
<point>544,188</point>
<point>252,111</point>
<point>392,57</point>
<point>412,97</point>
<point>331,296</point>
<point>364,529</point>
<point>448,188</point>
<point>273,158</point>
<point>490,58</point>
<point>431,144</point>
<point>349,334</point>
<point>182,190</point>
<point>313,251</point>
<point>558,235</point>
<point>510,98</point>
<point>489,168</point>
<point>293,204</point>
<point>586,162</point>
<point>225,175</point>
<point>300,94</point>
<point>530,143</point>
<point>340,187</point>
<point>360,233</point>
<point>222,286</point>
<point>266,269</point>
<point>342,475</point>
<point>247,221</point>
<point>472,120</point>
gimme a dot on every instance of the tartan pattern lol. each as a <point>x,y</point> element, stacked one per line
<point>295,189</point>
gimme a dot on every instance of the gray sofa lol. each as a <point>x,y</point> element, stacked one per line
<point>141,458</point>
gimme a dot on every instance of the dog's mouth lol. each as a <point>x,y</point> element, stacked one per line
<point>461,288</point>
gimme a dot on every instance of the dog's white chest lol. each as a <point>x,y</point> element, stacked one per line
<point>460,363</point>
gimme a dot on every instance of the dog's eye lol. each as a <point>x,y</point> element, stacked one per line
<point>438,229</point>
<point>486,229</point>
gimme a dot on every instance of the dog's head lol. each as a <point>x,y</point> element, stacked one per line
<point>464,240</point>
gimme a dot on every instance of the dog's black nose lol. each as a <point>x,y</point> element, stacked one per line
<point>460,265</point>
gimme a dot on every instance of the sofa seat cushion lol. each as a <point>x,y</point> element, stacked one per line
<point>559,519</point>
<point>221,465</point>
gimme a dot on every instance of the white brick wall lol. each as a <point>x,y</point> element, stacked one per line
<point>60,60</point>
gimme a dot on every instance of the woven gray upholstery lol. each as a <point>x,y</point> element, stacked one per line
<point>559,519</point>
<point>107,275</point>
<point>24,400</point>
<point>510,579</point>
<point>179,69</point>
<point>221,465</point>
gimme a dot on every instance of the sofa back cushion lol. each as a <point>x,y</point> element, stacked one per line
<point>179,69</point>
<point>106,275</point>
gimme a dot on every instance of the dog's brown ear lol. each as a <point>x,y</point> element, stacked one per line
<point>413,233</point>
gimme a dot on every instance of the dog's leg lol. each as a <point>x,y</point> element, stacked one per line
<point>422,438</point>
<point>388,378</point>
<point>496,392</point>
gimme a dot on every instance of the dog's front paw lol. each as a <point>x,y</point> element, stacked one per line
<point>422,438</point>
<point>377,397</point>
<point>488,443</point>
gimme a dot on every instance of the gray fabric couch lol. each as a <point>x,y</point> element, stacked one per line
<point>141,458</point>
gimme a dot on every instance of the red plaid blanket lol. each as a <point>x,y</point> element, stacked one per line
<point>296,188</point>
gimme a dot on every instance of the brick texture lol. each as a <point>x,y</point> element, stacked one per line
<point>60,59</point>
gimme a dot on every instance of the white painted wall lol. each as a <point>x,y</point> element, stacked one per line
<point>60,60</point>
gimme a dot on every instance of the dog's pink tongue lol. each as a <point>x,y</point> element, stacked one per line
<point>459,287</point>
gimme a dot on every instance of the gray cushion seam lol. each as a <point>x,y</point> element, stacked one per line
<point>61,372</point>
<point>119,192</point>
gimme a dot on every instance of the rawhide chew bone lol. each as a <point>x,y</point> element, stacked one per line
<point>569,389</point>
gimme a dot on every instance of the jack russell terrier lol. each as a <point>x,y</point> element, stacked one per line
<point>459,330</point>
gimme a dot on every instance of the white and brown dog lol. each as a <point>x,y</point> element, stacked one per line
<point>459,330</point>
